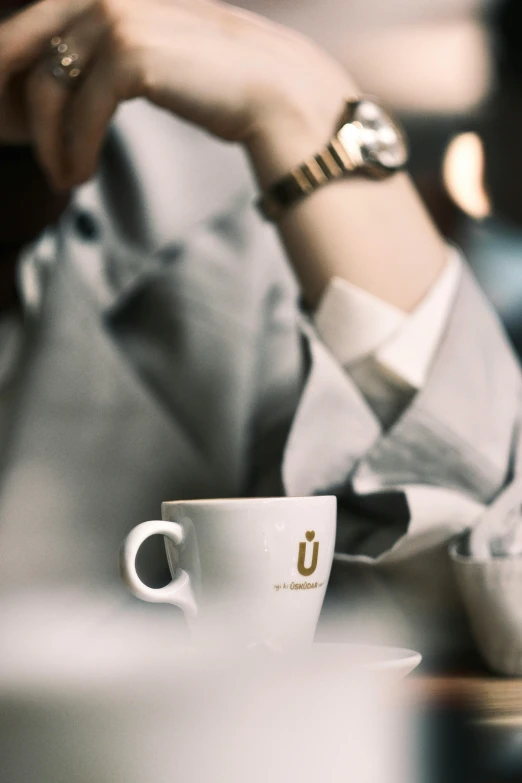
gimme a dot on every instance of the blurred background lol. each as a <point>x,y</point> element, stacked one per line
<point>452,71</point>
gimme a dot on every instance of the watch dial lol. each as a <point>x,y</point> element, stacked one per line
<point>380,138</point>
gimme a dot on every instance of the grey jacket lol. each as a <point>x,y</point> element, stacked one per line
<point>166,357</point>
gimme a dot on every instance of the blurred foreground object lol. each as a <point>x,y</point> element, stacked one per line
<point>125,700</point>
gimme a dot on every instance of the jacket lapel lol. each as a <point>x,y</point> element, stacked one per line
<point>91,453</point>
<point>83,414</point>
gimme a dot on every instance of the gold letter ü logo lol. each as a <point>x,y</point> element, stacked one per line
<point>301,567</point>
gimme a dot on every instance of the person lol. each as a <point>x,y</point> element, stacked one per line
<point>165,342</point>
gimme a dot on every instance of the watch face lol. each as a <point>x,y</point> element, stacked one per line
<point>379,139</point>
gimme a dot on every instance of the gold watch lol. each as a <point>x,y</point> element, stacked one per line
<point>369,142</point>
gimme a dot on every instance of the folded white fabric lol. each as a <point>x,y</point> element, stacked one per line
<point>498,532</point>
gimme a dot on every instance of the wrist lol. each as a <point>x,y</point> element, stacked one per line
<point>295,125</point>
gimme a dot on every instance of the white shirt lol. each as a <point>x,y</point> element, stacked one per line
<point>386,351</point>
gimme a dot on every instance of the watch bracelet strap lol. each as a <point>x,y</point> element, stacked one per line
<point>331,163</point>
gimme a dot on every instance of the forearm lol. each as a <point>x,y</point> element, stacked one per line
<point>377,235</point>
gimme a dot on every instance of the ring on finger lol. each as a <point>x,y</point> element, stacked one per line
<point>63,62</point>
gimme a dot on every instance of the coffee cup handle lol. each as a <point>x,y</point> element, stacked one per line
<point>179,591</point>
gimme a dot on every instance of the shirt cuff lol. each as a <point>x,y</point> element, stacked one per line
<point>354,325</point>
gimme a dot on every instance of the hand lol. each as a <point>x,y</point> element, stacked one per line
<point>235,74</point>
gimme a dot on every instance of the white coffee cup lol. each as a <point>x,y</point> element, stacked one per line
<point>244,571</point>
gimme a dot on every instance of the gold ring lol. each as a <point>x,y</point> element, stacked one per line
<point>63,63</point>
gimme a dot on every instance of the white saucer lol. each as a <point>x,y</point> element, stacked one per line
<point>75,644</point>
<point>395,660</point>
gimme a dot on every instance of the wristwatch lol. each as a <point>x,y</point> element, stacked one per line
<point>369,142</point>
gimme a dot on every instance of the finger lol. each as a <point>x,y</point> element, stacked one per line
<point>89,114</point>
<point>46,101</point>
<point>48,98</point>
<point>24,36</point>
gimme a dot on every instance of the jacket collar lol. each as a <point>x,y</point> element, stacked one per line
<point>159,181</point>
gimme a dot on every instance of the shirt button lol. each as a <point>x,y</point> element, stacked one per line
<point>86,227</point>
